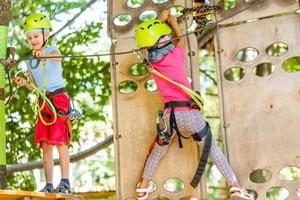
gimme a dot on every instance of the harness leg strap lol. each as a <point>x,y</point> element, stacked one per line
<point>205,153</point>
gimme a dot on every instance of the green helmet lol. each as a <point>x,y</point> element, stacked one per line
<point>36,21</point>
<point>147,33</point>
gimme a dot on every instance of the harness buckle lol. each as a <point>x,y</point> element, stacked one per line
<point>163,137</point>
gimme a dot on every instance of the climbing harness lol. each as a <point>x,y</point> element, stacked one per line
<point>204,133</point>
<point>45,98</point>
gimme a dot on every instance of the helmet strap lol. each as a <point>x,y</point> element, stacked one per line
<point>44,40</point>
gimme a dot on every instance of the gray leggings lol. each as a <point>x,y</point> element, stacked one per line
<point>190,121</point>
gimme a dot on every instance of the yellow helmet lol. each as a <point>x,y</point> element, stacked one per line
<point>147,33</point>
<point>36,21</point>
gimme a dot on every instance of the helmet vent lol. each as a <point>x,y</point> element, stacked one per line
<point>156,23</point>
<point>149,26</point>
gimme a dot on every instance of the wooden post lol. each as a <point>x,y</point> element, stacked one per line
<point>4,11</point>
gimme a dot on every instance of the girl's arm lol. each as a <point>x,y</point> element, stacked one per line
<point>172,21</point>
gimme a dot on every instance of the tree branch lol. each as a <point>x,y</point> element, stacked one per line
<point>209,76</point>
<point>73,19</point>
<point>76,157</point>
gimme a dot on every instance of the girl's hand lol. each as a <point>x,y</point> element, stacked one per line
<point>164,15</point>
<point>20,81</point>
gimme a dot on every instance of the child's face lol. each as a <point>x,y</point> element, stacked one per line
<point>35,39</point>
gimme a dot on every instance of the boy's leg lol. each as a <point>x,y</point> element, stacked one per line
<point>48,164</point>
<point>64,160</point>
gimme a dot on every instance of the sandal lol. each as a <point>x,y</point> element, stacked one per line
<point>237,193</point>
<point>146,192</point>
<point>62,188</point>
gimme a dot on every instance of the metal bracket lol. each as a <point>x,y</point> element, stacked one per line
<point>10,60</point>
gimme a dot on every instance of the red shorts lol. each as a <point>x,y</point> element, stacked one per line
<point>57,133</point>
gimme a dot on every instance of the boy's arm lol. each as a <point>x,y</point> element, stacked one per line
<point>54,54</point>
<point>20,81</point>
<point>28,85</point>
<point>41,53</point>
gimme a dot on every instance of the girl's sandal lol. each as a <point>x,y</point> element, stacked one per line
<point>237,193</point>
<point>146,192</point>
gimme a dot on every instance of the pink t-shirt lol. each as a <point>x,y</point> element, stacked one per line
<point>172,65</point>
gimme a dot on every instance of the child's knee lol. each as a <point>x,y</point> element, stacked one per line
<point>47,148</point>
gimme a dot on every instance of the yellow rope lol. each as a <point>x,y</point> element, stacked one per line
<point>45,99</point>
<point>195,96</point>
<point>40,108</point>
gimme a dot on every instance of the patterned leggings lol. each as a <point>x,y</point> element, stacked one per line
<point>191,122</point>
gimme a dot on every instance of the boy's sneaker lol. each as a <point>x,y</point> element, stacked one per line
<point>47,189</point>
<point>63,187</point>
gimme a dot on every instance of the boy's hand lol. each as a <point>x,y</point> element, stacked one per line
<point>39,53</point>
<point>164,15</point>
<point>20,81</point>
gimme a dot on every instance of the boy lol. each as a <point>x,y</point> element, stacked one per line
<point>47,76</point>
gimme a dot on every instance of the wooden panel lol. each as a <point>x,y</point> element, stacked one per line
<point>120,7</point>
<point>266,8</point>
<point>134,129</point>
<point>260,115</point>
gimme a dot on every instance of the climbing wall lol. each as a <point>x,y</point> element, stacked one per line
<point>136,102</point>
<point>258,55</point>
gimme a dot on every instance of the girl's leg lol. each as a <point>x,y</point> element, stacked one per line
<point>222,164</point>
<point>236,192</point>
<point>157,153</point>
<point>195,123</point>
<point>48,162</point>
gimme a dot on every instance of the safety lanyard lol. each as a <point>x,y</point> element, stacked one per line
<point>195,96</point>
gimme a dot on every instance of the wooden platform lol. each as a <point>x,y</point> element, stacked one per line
<point>27,195</point>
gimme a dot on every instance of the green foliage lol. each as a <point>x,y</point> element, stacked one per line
<point>23,180</point>
<point>229,4</point>
<point>292,64</point>
<point>86,78</point>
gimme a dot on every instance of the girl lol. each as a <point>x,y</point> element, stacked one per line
<point>168,60</point>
